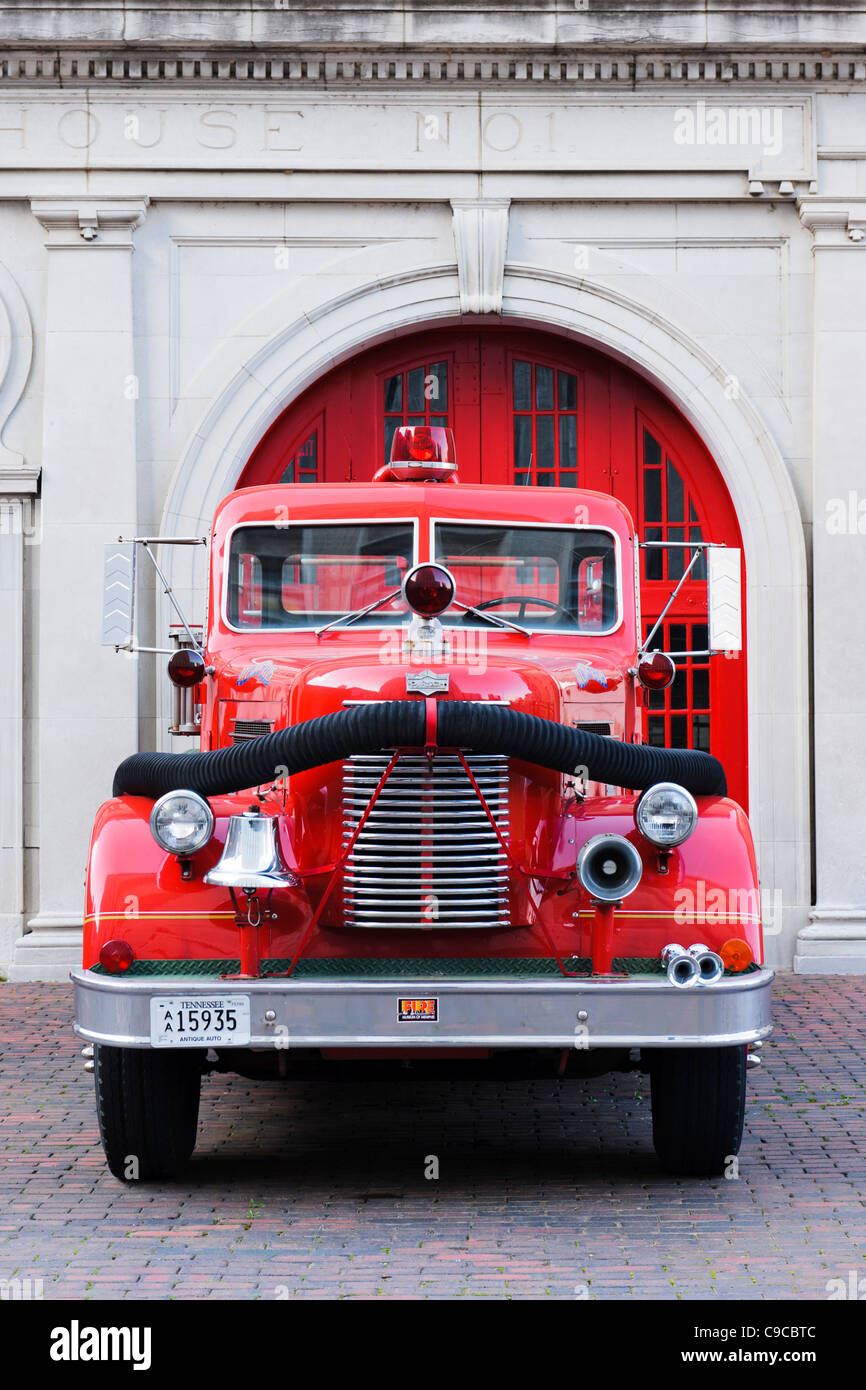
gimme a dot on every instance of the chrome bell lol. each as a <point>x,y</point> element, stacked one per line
<point>252,857</point>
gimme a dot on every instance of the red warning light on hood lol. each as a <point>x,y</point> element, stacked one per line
<point>428,590</point>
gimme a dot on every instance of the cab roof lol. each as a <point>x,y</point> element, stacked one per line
<point>347,502</point>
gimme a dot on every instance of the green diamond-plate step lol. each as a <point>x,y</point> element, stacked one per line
<point>209,968</point>
<point>477,968</point>
<point>372,968</point>
<point>376,968</point>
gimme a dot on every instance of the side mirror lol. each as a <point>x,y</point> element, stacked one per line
<point>118,594</point>
<point>724,599</point>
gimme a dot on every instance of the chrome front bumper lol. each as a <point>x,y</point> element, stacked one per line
<point>488,1013</point>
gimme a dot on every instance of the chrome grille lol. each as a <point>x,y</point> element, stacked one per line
<point>427,855</point>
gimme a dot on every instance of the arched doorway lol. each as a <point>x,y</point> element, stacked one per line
<point>530,407</point>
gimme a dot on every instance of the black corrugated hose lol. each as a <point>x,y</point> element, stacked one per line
<point>402,724</point>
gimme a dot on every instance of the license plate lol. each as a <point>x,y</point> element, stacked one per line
<point>178,1021</point>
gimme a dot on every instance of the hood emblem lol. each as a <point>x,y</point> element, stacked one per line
<point>588,677</point>
<point>256,670</point>
<point>426,682</point>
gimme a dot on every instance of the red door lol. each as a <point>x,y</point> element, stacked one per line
<point>532,408</point>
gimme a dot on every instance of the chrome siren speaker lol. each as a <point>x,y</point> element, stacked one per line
<point>609,867</point>
<point>252,857</point>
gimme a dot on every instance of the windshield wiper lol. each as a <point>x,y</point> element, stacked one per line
<point>358,613</point>
<point>466,608</point>
<point>489,618</point>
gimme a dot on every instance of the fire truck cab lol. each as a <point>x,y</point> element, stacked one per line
<point>421,823</point>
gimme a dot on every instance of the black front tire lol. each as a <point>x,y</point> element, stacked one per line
<point>147,1105</point>
<point>698,1106</point>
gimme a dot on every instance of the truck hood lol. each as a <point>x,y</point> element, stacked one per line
<point>310,688</point>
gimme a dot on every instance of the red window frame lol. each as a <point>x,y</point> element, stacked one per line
<point>315,427</point>
<point>684,699</point>
<point>389,420</point>
<point>560,477</point>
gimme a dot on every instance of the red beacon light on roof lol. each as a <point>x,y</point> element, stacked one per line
<point>421,454</point>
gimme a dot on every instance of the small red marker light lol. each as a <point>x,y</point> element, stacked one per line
<point>428,590</point>
<point>116,956</point>
<point>423,444</point>
<point>656,671</point>
<point>186,667</point>
<point>736,954</point>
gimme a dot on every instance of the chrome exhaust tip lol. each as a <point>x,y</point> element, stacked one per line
<point>710,964</point>
<point>682,968</point>
<point>683,971</point>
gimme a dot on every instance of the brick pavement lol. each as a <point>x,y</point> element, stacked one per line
<point>307,1190</point>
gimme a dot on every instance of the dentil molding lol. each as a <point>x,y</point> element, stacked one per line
<point>128,67</point>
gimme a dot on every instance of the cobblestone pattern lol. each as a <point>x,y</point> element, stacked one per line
<point>306,1189</point>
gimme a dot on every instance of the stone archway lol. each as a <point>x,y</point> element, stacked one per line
<point>246,401</point>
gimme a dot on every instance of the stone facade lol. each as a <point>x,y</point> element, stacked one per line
<point>202,210</point>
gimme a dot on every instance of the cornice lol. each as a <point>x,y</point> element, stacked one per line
<point>458,25</point>
<point>74,223</point>
<point>126,67</point>
<point>18,482</point>
<point>835,223</point>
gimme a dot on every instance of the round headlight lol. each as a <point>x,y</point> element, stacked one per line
<point>181,822</point>
<point>666,814</point>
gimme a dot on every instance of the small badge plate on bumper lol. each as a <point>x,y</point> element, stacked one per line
<point>417,1010</point>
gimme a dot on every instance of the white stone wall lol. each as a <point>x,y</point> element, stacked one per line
<point>191,235</point>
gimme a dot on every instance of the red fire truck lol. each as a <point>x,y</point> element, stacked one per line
<point>422,823</point>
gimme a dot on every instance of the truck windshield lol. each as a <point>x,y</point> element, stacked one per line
<point>304,576</point>
<point>540,577</point>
